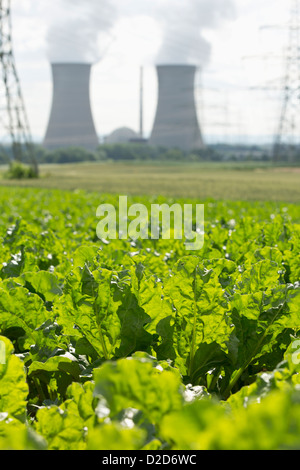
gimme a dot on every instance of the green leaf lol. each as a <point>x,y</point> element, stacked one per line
<point>52,377</point>
<point>15,435</point>
<point>81,400</point>
<point>85,255</point>
<point>44,284</point>
<point>261,276</point>
<point>113,436</point>
<point>13,386</point>
<point>140,383</point>
<point>209,425</point>
<point>62,430</point>
<point>198,305</point>
<point>87,310</point>
<point>260,319</point>
<point>22,309</point>
<point>54,364</point>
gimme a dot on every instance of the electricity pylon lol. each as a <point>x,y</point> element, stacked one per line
<point>287,139</point>
<point>14,126</point>
<point>286,144</point>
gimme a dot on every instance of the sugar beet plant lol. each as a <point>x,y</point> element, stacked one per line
<point>140,344</point>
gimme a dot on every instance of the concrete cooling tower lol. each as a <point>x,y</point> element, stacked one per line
<point>71,121</point>
<point>176,123</point>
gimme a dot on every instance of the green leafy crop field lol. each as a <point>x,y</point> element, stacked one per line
<point>141,345</point>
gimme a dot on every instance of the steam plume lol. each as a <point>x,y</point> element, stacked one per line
<point>82,34</point>
<point>184,25</point>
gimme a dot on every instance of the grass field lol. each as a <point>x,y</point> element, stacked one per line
<point>219,181</point>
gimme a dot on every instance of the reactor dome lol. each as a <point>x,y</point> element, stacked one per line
<point>122,135</point>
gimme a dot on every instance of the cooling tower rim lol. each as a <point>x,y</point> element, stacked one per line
<point>68,64</point>
<point>186,66</point>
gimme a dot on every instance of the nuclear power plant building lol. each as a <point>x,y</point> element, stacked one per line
<point>176,122</point>
<point>71,122</point>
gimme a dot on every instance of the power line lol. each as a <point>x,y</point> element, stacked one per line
<point>13,118</point>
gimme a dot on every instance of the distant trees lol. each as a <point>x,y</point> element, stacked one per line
<point>66,155</point>
<point>124,152</point>
<point>143,152</point>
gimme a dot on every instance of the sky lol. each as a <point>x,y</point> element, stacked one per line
<point>237,45</point>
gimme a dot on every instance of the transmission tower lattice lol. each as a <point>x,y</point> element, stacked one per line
<point>287,138</point>
<point>14,126</point>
